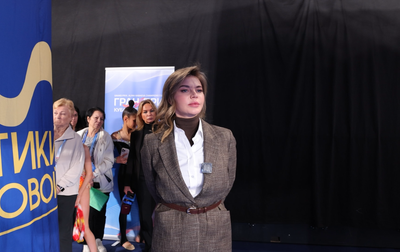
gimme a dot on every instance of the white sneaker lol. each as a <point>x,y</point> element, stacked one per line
<point>86,248</point>
<point>100,247</point>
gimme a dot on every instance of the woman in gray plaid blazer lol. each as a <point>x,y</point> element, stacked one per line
<point>189,166</point>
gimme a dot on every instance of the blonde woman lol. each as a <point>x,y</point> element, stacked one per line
<point>69,160</point>
<point>134,179</point>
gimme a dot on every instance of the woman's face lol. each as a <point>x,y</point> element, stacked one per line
<point>96,120</point>
<point>130,121</point>
<point>189,99</point>
<point>74,119</point>
<point>61,116</point>
<point>148,113</point>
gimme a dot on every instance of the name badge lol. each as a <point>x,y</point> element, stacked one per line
<point>206,168</point>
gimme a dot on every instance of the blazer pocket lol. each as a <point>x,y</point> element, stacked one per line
<point>219,232</point>
<point>167,232</point>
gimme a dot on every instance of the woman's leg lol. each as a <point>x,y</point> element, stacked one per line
<point>97,220</point>
<point>122,217</point>
<point>66,208</point>
<point>146,206</point>
<point>85,204</point>
<point>122,227</point>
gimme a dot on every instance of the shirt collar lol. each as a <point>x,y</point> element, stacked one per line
<point>68,134</point>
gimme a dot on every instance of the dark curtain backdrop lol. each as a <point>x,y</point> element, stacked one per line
<point>310,89</point>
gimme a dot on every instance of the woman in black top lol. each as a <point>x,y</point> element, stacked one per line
<point>134,179</point>
<point>121,139</point>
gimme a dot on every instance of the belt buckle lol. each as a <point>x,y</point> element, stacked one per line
<point>188,210</point>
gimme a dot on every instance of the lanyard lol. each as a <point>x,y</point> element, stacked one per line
<point>59,150</point>
<point>94,140</point>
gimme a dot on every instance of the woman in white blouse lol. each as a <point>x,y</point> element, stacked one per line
<point>189,166</point>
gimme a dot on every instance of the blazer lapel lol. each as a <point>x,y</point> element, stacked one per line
<point>210,150</point>
<point>169,157</point>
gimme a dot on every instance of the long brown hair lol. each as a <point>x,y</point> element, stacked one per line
<point>167,107</point>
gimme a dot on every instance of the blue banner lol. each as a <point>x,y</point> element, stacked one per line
<point>122,85</point>
<point>28,204</point>
<point>131,83</point>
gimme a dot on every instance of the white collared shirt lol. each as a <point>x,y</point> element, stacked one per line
<point>190,158</point>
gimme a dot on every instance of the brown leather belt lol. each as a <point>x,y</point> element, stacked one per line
<point>192,209</point>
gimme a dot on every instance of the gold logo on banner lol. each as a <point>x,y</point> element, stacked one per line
<point>13,111</point>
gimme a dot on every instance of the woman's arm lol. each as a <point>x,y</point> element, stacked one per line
<point>127,189</point>
<point>232,160</point>
<point>121,159</point>
<point>88,176</point>
<point>127,181</point>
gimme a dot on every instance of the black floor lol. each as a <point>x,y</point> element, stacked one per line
<point>256,247</point>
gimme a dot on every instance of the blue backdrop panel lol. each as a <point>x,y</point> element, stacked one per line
<point>124,84</point>
<point>28,204</point>
<point>131,83</point>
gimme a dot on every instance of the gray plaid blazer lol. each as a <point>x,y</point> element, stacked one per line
<point>179,231</point>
